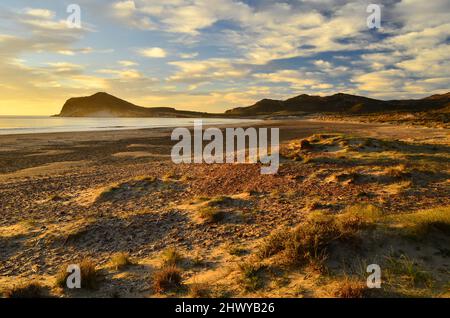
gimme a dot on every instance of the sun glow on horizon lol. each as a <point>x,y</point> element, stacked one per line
<point>215,55</point>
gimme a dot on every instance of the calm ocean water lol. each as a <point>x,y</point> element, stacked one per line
<point>43,124</point>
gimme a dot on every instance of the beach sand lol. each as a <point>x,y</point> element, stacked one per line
<point>65,197</point>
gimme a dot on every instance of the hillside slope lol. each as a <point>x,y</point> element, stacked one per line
<point>105,105</point>
<point>340,103</point>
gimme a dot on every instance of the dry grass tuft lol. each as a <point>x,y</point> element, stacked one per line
<point>350,288</point>
<point>210,214</point>
<point>167,279</point>
<point>171,257</point>
<point>198,290</point>
<point>273,244</point>
<point>220,201</point>
<point>404,269</point>
<point>309,241</point>
<point>29,290</point>
<point>120,261</point>
<point>423,223</point>
<point>399,172</point>
<point>251,275</point>
<point>366,213</point>
<point>235,250</point>
<point>89,275</point>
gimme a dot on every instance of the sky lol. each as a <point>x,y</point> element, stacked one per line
<point>213,55</point>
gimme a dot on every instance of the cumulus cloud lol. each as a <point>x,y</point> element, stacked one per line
<point>206,70</point>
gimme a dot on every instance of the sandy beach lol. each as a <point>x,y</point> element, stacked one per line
<point>65,197</point>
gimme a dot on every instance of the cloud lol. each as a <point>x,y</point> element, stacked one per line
<point>40,87</point>
<point>432,62</point>
<point>124,74</point>
<point>206,70</point>
<point>212,101</point>
<point>153,52</point>
<point>65,67</point>
<point>298,80</point>
<point>40,13</point>
<point>261,34</point>
<point>385,81</point>
<point>188,55</point>
<point>127,63</point>
<point>125,7</point>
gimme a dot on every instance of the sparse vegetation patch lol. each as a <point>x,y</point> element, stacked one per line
<point>167,279</point>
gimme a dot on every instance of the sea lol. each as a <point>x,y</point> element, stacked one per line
<point>12,125</point>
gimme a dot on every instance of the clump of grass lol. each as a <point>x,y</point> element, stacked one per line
<point>171,257</point>
<point>109,192</point>
<point>317,263</point>
<point>197,260</point>
<point>423,223</point>
<point>313,204</point>
<point>251,275</point>
<point>220,201</point>
<point>120,261</point>
<point>89,275</point>
<point>236,250</point>
<point>273,244</point>
<point>345,177</point>
<point>28,290</point>
<point>308,242</point>
<point>365,212</point>
<point>167,279</point>
<point>210,214</point>
<point>61,277</point>
<point>350,288</point>
<point>404,268</point>
<point>198,290</point>
<point>310,239</point>
<point>398,172</point>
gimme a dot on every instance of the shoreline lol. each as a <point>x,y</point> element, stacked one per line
<point>282,123</point>
<point>26,125</point>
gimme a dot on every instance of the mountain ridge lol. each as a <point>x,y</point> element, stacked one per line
<point>102,104</point>
<point>340,103</point>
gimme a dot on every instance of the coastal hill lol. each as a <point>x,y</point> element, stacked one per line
<point>106,105</point>
<point>340,103</point>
